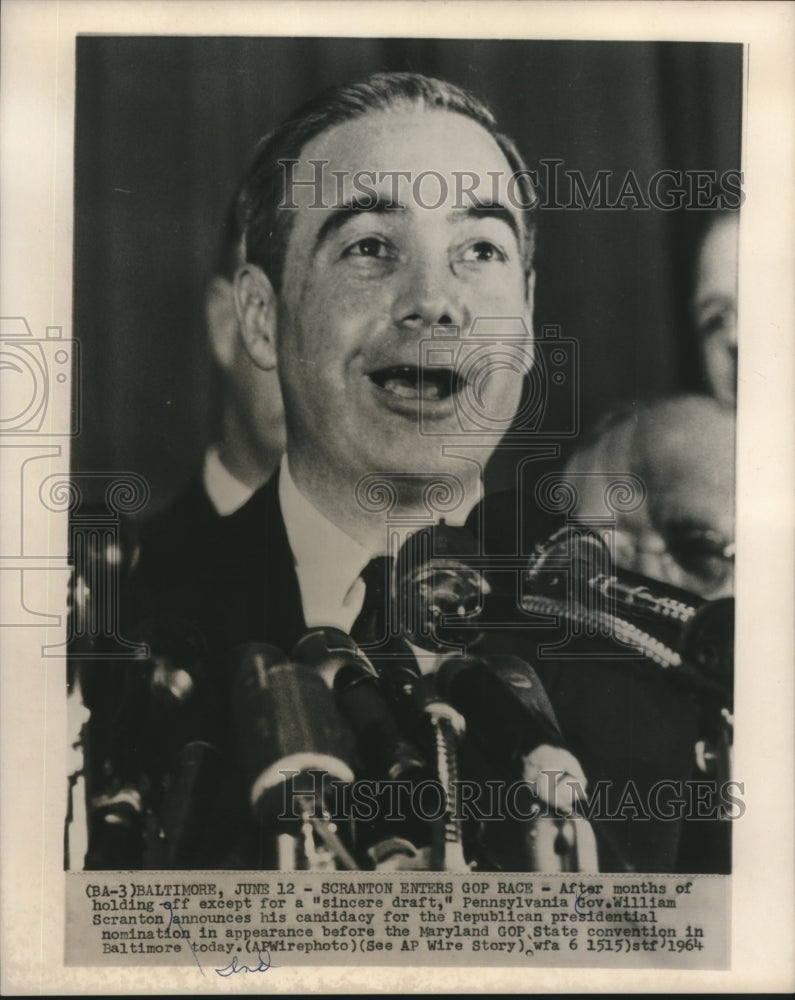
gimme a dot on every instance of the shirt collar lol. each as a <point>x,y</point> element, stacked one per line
<point>328,562</point>
<point>225,491</point>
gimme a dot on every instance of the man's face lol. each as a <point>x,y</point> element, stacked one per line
<point>684,532</point>
<point>258,400</point>
<point>363,289</point>
<point>253,421</point>
<point>715,305</point>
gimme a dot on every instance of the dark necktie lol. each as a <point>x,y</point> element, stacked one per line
<point>370,627</point>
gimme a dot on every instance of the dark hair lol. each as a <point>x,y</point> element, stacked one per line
<point>267,228</point>
<point>230,252</point>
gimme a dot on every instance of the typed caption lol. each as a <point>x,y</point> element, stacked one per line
<point>226,923</point>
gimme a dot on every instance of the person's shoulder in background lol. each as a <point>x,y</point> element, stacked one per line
<point>191,507</point>
<point>223,574</point>
<point>173,542</point>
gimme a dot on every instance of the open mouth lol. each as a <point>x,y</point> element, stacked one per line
<point>413,383</point>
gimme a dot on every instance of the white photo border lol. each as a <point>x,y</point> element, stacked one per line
<point>37,100</point>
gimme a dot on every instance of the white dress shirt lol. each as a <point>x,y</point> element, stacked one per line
<point>329,563</point>
<point>227,494</point>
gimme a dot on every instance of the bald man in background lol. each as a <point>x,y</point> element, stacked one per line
<point>682,449</point>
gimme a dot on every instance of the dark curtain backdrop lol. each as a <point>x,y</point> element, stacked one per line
<point>164,125</point>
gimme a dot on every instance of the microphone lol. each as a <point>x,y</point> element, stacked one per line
<point>190,778</point>
<point>440,592</point>
<point>195,807</point>
<point>290,735</point>
<point>388,755</point>
<point>116,821</point>
<point>446,727</point>
<point>176,693</point>
<point>382,746</point>
<point>103,555</point>
<point>349,673</point>
<point>519,718</point>
<point>572,576</point>
<point>142,713</point>
<point>522,731</point>
<point>327,649</point>
<point>100,661</point>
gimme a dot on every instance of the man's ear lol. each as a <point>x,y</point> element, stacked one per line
<point>221,317</point>
<point>530,289</point>
<point>530,293</point>
<point>255,301</point>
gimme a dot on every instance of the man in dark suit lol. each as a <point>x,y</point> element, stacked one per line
<point>250,439</point>
<point>388,279</point>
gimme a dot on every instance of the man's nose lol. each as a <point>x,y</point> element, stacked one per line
<point>429,296</point>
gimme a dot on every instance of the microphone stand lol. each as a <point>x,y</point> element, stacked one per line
<point>447,729</point>
<point>317,846</point>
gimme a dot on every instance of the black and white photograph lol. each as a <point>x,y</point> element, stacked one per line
<point>484,418</point>
<point>399,497</point>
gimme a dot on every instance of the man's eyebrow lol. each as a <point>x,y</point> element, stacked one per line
<point>490,210</point>
<point>716,298</point>
<point>350,209</point>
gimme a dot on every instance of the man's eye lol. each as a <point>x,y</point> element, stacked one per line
<point>704,555</point>
<point>370,246</point>
<point>483,252</point>
<point>715,322</point>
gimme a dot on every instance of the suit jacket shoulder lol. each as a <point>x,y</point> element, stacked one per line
<point>232,577</point>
